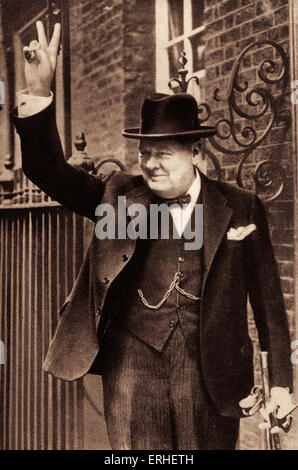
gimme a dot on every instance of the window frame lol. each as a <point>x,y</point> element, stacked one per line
<point>163,44</point>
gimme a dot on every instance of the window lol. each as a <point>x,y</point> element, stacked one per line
<point>179,27</point>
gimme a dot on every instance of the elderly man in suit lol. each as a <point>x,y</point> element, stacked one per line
<point>164,324</point>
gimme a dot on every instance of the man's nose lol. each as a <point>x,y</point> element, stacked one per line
<point>152,162</point>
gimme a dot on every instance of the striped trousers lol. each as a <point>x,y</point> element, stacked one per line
<point>156,400</point>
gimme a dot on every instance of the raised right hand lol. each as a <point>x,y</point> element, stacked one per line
<point>41,62</point>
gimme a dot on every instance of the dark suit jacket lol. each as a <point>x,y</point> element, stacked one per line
<point>233,271</point>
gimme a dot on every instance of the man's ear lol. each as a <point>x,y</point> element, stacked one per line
<point>196,152</point>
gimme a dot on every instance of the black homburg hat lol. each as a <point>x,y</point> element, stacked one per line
<point>169,116</point>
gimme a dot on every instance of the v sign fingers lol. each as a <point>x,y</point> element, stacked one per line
<point>42,39</point>
<point>41,59</point>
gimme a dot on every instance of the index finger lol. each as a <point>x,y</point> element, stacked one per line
<point>56,37</point>
<point>42,39</point>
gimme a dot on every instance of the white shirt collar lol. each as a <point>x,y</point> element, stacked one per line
<point>181,215</point>
<point>195,188</point>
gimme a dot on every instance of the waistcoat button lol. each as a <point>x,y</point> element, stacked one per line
<point>124,258</point>
<point>172,324</point>
<point>181,260</point>
<point>106,280</point>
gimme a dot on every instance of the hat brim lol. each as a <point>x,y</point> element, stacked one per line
<point>204,131</point>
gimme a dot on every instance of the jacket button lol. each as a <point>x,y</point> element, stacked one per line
<point>106,280</point>
<point>124,258</point>
<point>172,323</point>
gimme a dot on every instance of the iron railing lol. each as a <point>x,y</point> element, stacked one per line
<point>41,250</point>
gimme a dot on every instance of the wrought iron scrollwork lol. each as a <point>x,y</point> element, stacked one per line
<point>239,134</point>
<point>269,179</point>
<point>182,82</point>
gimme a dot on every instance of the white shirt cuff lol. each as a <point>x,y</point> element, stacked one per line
<point>31,104</point>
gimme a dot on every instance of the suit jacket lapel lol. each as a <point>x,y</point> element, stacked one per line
<point>216,215</point>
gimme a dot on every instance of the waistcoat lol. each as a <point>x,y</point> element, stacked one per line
<point>152,270</point>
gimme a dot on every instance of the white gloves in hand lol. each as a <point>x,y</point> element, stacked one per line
<point>280,402</point>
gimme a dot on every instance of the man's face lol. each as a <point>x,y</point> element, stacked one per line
<point>167,166</point>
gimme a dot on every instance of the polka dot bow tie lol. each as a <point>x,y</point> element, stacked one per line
<point>181,200</point>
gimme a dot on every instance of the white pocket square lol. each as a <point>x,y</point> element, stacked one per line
<point>241,232</point>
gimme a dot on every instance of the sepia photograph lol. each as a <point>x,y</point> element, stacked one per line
<point>149,227</point>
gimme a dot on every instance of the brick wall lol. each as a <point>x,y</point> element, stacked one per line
<point>112,65</point>
<point>231,25</point>
<point>97,78</point>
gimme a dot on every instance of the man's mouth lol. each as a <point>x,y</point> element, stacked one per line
<point>156,176</point>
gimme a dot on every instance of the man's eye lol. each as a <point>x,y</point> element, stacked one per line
<point>163,154</point>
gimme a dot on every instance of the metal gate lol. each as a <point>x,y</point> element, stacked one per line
<point>41,250</point>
